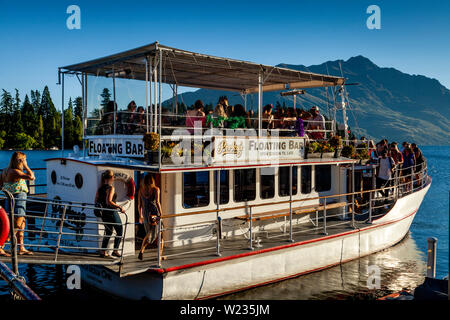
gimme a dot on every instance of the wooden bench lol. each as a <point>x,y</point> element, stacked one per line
<point>295,211</point>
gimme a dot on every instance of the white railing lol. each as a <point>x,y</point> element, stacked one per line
<point>320,218</point>
<point>61,228</point>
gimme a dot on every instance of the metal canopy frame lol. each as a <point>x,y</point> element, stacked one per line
<point>157,64</point>
<point>186,68</point>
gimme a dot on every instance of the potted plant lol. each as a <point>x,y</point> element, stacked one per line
<point>313,150</point>
<point>362,154</point>
<point>348,151</point>
<point>151,145</point>
<point>336,143</point>
<point>326,150</point>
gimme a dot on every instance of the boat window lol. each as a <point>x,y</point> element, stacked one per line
<point>195,189</point>
<point>224,186</point>
<point>283,181</point>
<point>244,185</point>
<point>323,178</point>
<point>267,176</point>
<point>306,179</point>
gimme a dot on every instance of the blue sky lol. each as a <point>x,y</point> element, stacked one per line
<point>414,35</point>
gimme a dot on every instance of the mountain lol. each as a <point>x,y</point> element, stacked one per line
<point>387,103</point>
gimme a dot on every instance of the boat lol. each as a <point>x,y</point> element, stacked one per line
<point>241,207</point>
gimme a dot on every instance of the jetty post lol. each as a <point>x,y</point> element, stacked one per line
<point>431,257</point>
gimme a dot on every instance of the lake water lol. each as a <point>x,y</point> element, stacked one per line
<point>402,266</point>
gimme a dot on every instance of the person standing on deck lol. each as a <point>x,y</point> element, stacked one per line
<point>149,208</point>
<point>409,162</point>
<point>106,197</point>
<point>317,122</point>
<point>385,172</point>
<point>13,179</point>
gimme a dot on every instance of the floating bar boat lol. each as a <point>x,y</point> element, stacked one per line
<point>241,207</point>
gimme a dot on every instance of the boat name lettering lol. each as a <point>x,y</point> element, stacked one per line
<point>116,146</point>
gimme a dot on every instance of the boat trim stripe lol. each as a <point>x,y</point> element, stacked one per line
<point>241,255</point>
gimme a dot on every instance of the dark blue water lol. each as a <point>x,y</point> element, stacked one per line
<point>402,266</point>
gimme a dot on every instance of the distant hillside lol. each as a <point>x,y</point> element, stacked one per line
<point>386,103</point>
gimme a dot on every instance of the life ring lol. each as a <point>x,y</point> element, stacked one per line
<point>4,226</point>
<point>129,182</point>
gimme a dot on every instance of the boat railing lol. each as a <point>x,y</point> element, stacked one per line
<point>36,186</point>
<point>133,123</point>
<point>60,231</point>
<point>68,232</point>
<point>321,217</point>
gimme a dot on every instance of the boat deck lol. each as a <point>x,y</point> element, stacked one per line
<point>205,252</point>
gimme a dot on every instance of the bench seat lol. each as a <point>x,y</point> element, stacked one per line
<point>295,211</point>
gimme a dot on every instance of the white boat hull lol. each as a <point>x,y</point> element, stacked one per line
<point>265,266</point>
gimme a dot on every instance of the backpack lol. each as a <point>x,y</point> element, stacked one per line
<point>98,212</point>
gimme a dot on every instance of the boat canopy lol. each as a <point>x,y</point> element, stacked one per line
<point>190,69</point>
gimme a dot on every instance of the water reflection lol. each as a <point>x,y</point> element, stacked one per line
<point>400,266</point>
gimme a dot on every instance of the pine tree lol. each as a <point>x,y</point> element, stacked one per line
<point>15,137</point>
<point>68,126</point>
<point>106,98</point>
<point>40,134</point>
<point>78,109</point>
<point>78,131</point>
<point>50,117</point>
<point>29,118</point>
<point>36,101</point>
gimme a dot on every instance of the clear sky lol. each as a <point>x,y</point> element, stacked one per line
<point>414,35</point>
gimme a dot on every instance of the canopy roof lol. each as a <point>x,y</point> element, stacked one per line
<point>191,69</point>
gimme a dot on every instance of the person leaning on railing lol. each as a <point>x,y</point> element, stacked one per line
<point>13,179</point>
<point>420,163</point>
<point>409,162</point>
<point>317,122</point>
<point>106,198</point>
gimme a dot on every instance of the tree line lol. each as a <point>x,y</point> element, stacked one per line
<point>35,123</point>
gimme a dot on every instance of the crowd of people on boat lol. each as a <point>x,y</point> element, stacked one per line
<point>408,163</point>
<point>287,121</point>
<point>129,121</point>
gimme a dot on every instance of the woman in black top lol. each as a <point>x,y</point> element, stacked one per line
<point>106,197</point>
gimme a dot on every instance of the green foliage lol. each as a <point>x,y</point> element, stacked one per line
<point>24,141</point>
<point>36,123</point>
